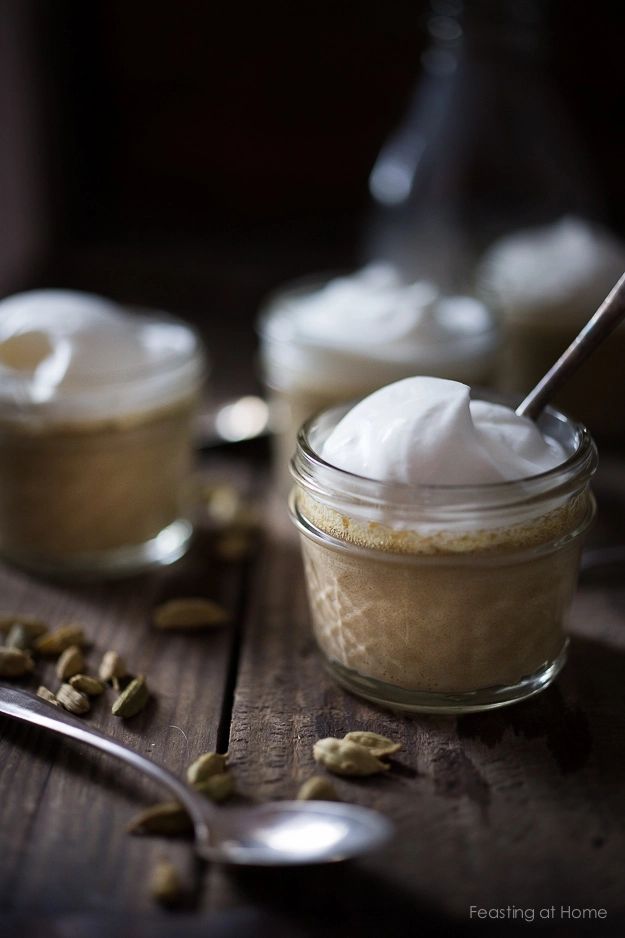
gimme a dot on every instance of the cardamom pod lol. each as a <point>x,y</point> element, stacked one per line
<point>346,758</point>
<point>234,545</point>
<point>132,699</point>
<point>19,637</point>
<point>56,642</point>
<point>14,662</point>
<point>209,763</point>
<point>317,788</point>
<point>72,699</point>
<point>165,883</point>
<point>377,745</point>
<point>70,663</point>
<point>111,667</point>
<point>217,787</point>
<point>190,613</point>
<point>167,817</point>
<point>32,624</point>
<point>87,684</point>
<point>46,694</point>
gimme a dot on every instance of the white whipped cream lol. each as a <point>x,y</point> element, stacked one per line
<point>427,431</point>
<point>75,356</point>
<point>374,323</point>
<point>563,270</point>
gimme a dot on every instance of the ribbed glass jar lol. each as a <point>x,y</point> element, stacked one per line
<point>442,598</point>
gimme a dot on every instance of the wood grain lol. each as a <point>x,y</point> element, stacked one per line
<point>64,808</point>
<point>521,806</point>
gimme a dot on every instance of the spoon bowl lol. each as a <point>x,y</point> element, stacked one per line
<point>276,833</point>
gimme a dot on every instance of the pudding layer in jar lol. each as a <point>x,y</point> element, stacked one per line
<point>95,434</point>
<point>443,597</point>
<point>328,341</point>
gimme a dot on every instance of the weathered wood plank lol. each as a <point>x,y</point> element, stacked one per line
<point>520,806</point>
<point>64,808</point>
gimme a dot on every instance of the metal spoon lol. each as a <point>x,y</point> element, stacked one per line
<point>277,833</point>
<point>605,320</point>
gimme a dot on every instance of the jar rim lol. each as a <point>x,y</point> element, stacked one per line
<point>314,473</point>
<point>108,394</point>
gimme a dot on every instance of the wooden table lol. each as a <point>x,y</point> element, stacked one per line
<point>522,807</point>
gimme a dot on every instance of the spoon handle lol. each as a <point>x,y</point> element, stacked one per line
<point>608,316</point>
<point>23,705</point>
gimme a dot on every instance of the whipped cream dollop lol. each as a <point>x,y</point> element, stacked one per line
<point>373,319</point>
<point>72,355</point>
<point>427,431</point>
<point>563,270</point>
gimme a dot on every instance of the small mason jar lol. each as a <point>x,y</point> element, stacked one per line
<point>305,373</point>
<point>95,472</point>
<point>442,598</point>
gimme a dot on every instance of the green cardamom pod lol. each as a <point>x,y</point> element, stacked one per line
<point>209,763</point>
<point>217,787</point>
<point>87,684</point>
<point>344,757</point>
<point>377,745</point>
<point>33,625</point>
<point>72,699</point>
<point>167,817</point>
<point>56,642</point>
<point>132,699</point>
<point>165,883</point>
<point>46,694</point>
<point>112,666</point>
<point>191,613</point>
<point>14,662</point>
<point>317,788</point>
<point>70,663</point>
<point>19,637</point>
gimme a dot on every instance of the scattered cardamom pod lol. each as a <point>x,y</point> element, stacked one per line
<point>14,662</point>
<point>70,663</point>
<point>72,699</point>
<point>34,626</point>
<point>56,642</point>
<point>209,763</point>
<point>46,694</point>
<point>19,637</point>
<point>167,817</point>
<point>111,667</point>
<point>317,788</point>
<point>234,545</point>
<point>377,745</point>
<point>132,699</point>
<point>191,613</point>
<point>165,883</point>
<point>87,684</point>
<point>222,503</point>
<point>346,758</point>
<point>217,787</point>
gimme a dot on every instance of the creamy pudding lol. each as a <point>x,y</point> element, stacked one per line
<point>95,411</point>
<point>441,539</point>
<point>546,283</point>
<point>331,341</point>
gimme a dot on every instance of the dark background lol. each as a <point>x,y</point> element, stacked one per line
<point>193,155</point>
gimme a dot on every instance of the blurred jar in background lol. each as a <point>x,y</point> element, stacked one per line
<point>547,282</point>
<point>485,148</point>
<point>325,341</point>
<point>95,434</point>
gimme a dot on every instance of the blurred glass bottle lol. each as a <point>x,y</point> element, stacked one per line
<point>485,147</point>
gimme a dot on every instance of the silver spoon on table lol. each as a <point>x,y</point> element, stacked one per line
<point>277,833</point>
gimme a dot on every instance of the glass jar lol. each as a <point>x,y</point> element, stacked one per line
<point>304,375</point>
<point>95,472</point>
<point>442,598</point>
